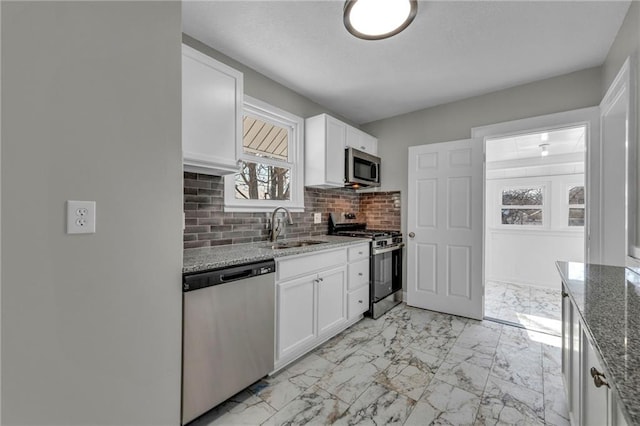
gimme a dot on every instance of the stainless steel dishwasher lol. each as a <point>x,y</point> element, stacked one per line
<point>228,333</point>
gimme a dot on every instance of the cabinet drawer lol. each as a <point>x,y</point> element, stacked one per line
<point>359,252</point>
<point>358,302</point>
<point>358,274</point>
<point>289,267</point>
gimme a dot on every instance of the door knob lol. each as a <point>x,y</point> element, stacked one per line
<point>412,234</point>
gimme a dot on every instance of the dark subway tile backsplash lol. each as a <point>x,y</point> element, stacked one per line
<point>207,224</point>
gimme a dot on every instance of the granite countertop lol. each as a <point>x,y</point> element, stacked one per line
<point>207,258</point>
<point>608,301</point>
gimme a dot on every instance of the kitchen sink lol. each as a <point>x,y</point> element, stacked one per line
<point>293,244</point>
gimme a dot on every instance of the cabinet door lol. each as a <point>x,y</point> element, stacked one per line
<point>360,140</point>
<point>331,299</point>
<point>335,143</point>
<point>358,302</point>
<point>295,319</point>
<point>566,339</point>
<point>211,125</point>
<point>595,400</point>
<point>575,370</point>
<point>358,274</point>
<point>369,144</point>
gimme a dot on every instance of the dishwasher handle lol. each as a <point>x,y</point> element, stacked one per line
<point>198,280</point>
<point>236,275</point>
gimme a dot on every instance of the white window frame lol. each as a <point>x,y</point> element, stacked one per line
<point>568,206</point>
<point>544,206</point>
<point>266,112</point>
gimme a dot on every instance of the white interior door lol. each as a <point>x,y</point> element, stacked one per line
<point>445,222</point>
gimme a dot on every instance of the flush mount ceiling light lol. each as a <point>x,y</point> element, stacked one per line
<point>378,19</point>
<point>544,149</point>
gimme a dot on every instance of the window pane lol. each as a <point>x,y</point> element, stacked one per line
<point>522,197</point>
<point>576,217</point>
<point>521,216</point>
<point>257,181</point>
<point>576,195</point>
<point>264,139</point>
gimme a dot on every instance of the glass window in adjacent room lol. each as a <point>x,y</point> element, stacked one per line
<point>522,206</point>
<point>576,205</point>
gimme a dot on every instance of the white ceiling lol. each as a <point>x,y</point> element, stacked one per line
<point>453,49</point>
<point>561,142</point>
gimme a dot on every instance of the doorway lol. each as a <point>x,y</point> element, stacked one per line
<point>446,217</point>
<point>534,216</point>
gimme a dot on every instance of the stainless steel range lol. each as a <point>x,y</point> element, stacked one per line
<point>385,289</point>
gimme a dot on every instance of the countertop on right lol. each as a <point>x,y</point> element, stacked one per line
<point>608,301</point>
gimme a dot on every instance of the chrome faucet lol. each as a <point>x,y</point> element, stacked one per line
<point>276,229</point>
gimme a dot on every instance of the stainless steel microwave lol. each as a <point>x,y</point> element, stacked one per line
<point>361,169</point>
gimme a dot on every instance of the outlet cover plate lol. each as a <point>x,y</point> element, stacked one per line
<point>317,218</point>
<point>81,217</point>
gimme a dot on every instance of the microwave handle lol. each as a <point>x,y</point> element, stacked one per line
<point>374,171</point>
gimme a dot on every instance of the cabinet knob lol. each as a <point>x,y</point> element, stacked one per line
<point>594,372</point>
<point>564,293</point>
<point>360,273</point>
<point>599,382</point>
<point>598,378</point>
<point>359,252</point>
<point>359,301</point>
<point>363,148</point>
<point>320,279</point>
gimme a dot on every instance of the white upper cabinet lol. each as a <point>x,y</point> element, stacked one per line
<point>325,141</point>
<point>212,102</point>
<point>360,140</point>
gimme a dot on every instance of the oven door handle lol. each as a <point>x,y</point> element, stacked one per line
<point>387,249</point>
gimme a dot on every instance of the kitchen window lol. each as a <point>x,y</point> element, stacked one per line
<point>522,206</point>
<point>575,197</point>
<point>270,161</point>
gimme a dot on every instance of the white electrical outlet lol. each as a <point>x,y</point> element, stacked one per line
<point>81,217</point>
<point>317,218</point>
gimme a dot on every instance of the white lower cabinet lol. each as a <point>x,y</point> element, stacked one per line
<point>331,299</point>
<point>358,285</point>
<point>358,302</point>
<point>313,301</point>
<point>296,319</point>
<point>591,401</point>
<point>596,407</point>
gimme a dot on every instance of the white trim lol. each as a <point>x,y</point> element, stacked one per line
<point>295,163</point>
<point>542,123</point>
<point>263,208</point>
<point>625,84</point>
<point>0,217</point>
<point>589,117</point>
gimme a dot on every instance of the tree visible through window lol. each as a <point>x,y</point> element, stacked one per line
<point>257,181</point>
<point>522,206</point>
<point>576,206</point>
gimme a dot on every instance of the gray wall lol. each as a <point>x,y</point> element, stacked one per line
<point>261,87</point>
<point>455,120</point>
<point>91,111</point>
<point>627,43</point>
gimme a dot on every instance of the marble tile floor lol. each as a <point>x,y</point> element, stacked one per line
<point>412,367</point>
<point>534,308</point>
